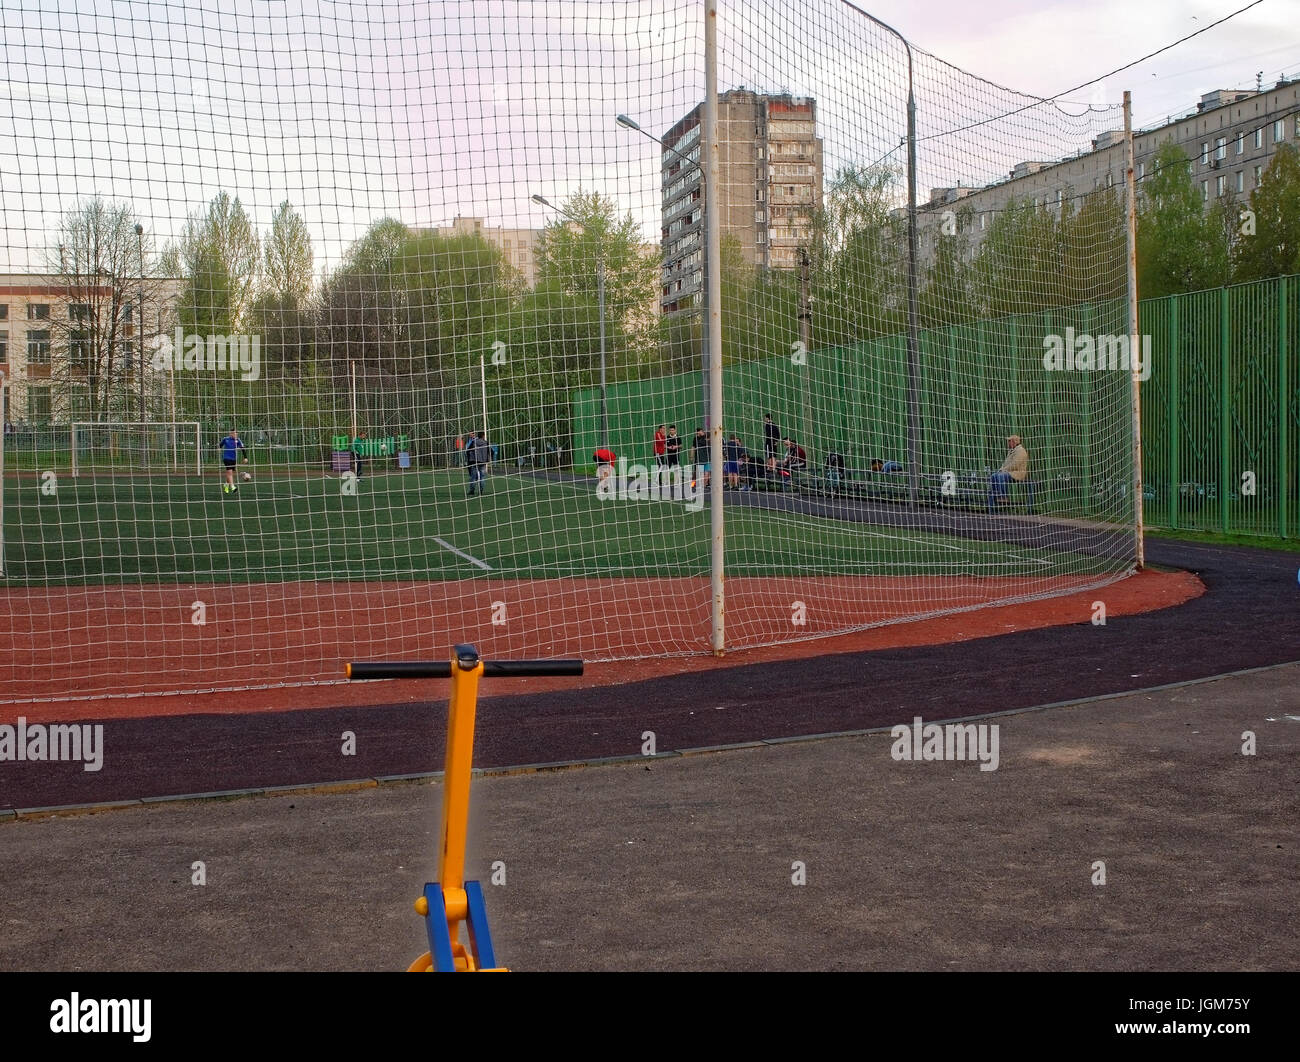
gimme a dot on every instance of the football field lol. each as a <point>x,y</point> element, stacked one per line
<point>420,525</point>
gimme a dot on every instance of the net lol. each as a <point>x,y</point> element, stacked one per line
<point>452,304</point>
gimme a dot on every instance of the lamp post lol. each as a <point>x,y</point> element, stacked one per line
<point>913,314</point>
<point>600,295</point>
<point>628,123</point>
<point>139,310</point>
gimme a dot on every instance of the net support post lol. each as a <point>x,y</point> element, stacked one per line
<point>1135,338</point>
<point>713,300</point>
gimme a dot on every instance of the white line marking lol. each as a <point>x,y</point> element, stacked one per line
<point>453,549</point>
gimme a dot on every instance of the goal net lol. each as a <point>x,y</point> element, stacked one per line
<point>443,270</point>
<point>140,447</point>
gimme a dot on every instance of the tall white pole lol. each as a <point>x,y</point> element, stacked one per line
<point>482,377</point>
<point>1130,184</point>
<point>352,401</point>
<point>4,432</point>
<point>713,286</point>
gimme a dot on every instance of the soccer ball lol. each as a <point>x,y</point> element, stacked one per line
<point>246,476</point>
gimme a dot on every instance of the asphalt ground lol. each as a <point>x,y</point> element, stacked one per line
<point>1248,617</point>
<point>690,862</point>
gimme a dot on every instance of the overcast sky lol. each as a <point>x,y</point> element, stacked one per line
<point>424,111</point>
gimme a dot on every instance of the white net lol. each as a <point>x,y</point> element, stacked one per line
<point>452,308</point>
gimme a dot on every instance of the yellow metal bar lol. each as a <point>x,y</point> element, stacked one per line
<point>456,780</point>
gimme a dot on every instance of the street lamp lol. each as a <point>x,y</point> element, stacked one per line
<point>600,294</point>
<point>139,311</point>
<point>628,123</point>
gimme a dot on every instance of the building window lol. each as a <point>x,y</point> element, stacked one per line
<point>507,245</point>
<point>1221,148</point>
<point>1205,191</point>
<point>79,401</point>
<point>1219,183</point>
<point>1279,131</point>
<point>38,311</point>
<point>1110,180</point>
<point>1142,170</point>
<point>1259,175</point>
<point>1241,180</point>
<point>1259,138</point>
<point>79,311</point>
<point>1205,154</point>
<point>38,348</point>
<point>127,309</point>
<point>39,407</point>
<point>983,221</point>
<point>4,346</point>
<point>4,311</point>
<point>78,349</point>
<point>1241,143</point>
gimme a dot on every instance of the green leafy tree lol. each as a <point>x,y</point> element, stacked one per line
<point>1180,247</point>
<point>859,258</point>
<point>1273,248</point>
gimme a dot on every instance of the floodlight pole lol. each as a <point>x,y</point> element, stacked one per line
<point>913,324</point>
<point>139,311</point>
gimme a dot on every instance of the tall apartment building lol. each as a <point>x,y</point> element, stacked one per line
<point>519,246</point>
<point>769,185</point>
<point>1229,140</point>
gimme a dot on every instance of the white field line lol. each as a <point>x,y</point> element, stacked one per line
<point>473,560</point>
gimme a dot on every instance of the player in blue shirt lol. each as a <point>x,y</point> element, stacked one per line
<point>230,447</point>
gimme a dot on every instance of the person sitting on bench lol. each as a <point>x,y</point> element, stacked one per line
<point>1015,467</point>
<point>834,471</point>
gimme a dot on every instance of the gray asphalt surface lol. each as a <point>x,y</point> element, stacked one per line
<point>686,863</point>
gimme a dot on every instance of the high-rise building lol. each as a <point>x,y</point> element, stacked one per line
<point>769,186</point>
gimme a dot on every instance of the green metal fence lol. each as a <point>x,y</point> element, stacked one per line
<point>1220,411</point>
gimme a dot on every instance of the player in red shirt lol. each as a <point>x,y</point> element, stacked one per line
<point>661,445</point>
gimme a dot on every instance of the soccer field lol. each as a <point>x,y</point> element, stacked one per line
<point>420,525</point>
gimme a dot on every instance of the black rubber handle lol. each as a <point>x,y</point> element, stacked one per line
<point>405,669</point>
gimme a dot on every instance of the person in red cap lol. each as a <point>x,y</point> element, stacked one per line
<point>604,462</point>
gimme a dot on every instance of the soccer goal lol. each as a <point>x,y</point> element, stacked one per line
<point>136,446</point>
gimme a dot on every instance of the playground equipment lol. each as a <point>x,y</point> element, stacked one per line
<point>451,900</point>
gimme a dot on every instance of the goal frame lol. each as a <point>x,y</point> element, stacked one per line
<point>175,465</point>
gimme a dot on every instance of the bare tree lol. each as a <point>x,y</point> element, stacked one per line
<point>99,267</point>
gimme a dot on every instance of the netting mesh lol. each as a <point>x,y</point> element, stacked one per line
<point>453,310</point>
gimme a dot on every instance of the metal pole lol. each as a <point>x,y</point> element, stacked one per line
<point>482,378</point>
<point>913,326</point>
<point>805,337</point>
<point>352,370</point>
<point>713,293</point>
<point>604,407</point>
<point>1130,236</point>
<point>139,311</point>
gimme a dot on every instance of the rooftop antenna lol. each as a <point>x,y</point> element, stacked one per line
<point>1259,81</point>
